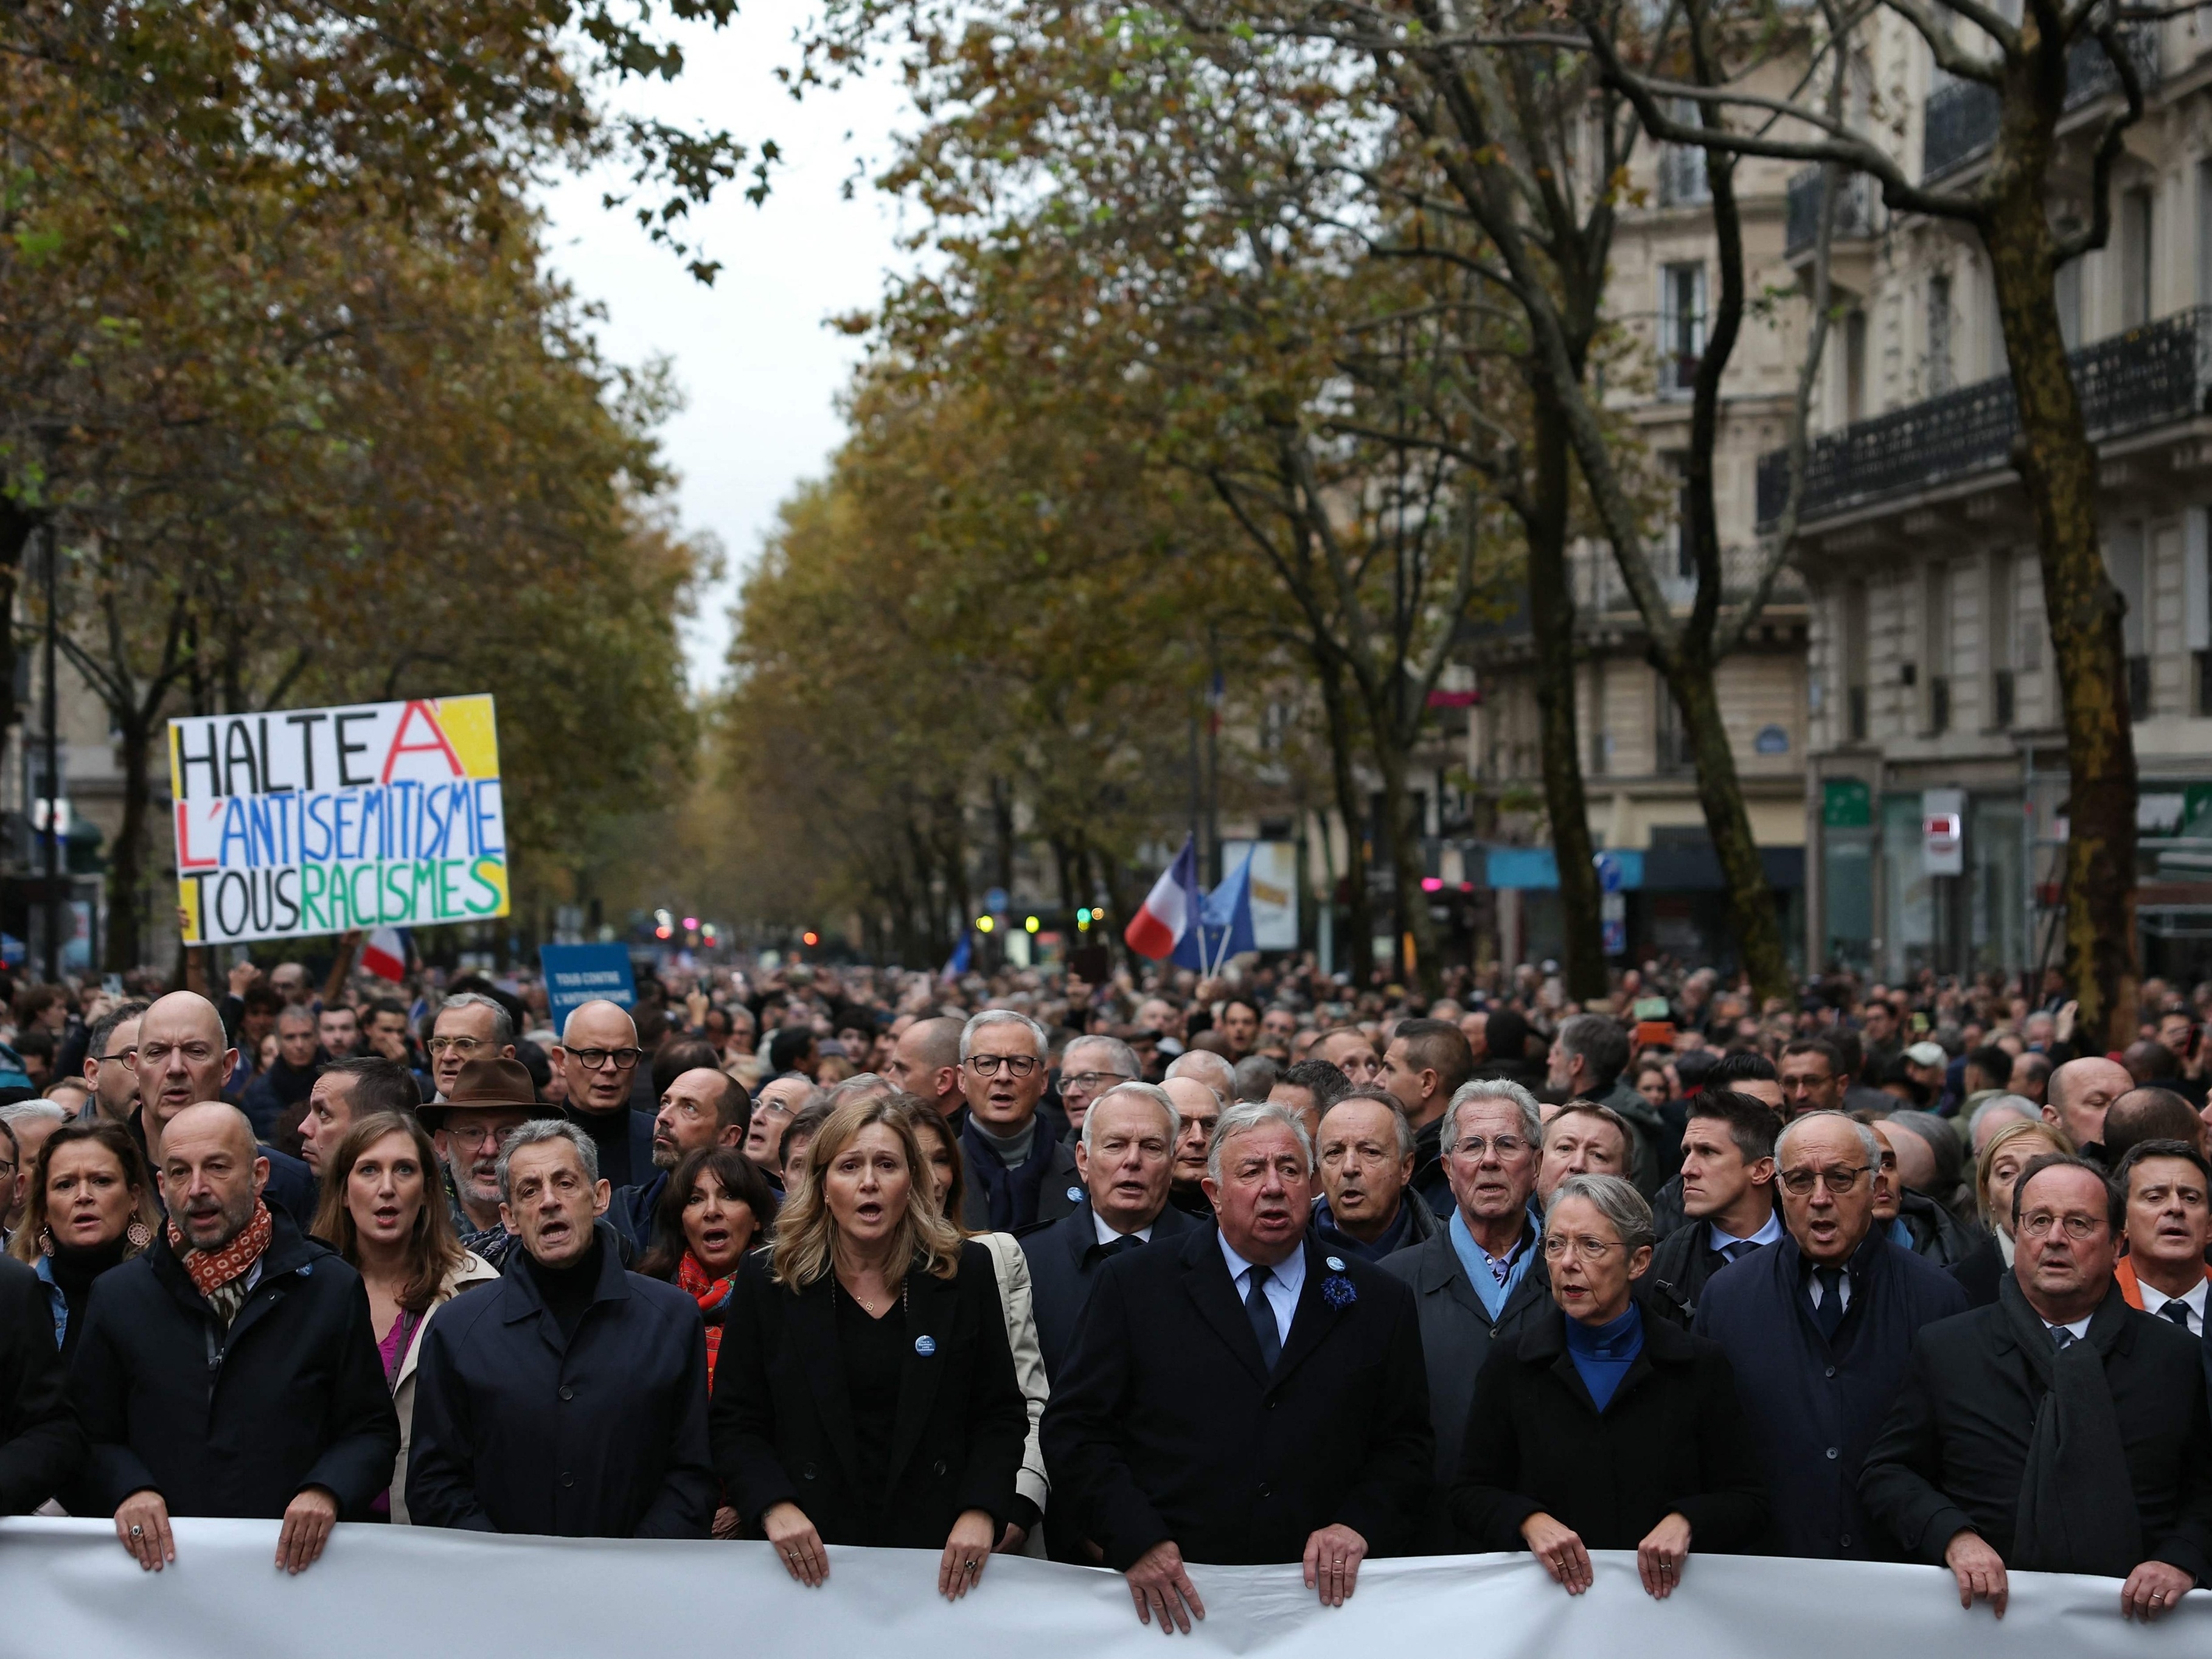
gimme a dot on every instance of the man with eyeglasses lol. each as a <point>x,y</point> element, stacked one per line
<point>489,1101</point>
<point>468,1026</point>
<point>1018,1172</point>
<point>183,1058</point>
<point>2058,1430</point>
<point>1818,1327</point>
<point>597,1057</point>
<point>1481,1277</point>
<point>1089,1066</point>
<point>110,1064</point>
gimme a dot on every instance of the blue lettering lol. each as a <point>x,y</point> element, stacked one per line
<point>489,815</point>
<point>315,814</point>
<point>233,829</point>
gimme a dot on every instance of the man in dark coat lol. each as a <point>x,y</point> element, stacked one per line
<point>1126,1157</point>
<point>1368,1207</point>
<point>1427,1061</point>
<point>1728,1195</point>
<point>285,1084</point>
<point>598,1056</point>
<point>1242,1397</point>
<point>2059,1430</point>
<point>1818,1328</point>
<point>570,1399</point>
<point>701,1108</point>
<point>231,1369</point>
<point>41,1447</point>
<point>1019,1171</point>
<point>1482,1276</point>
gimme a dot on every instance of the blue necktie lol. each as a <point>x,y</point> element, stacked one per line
<point>1828,1315</point>
<point>2064,1338</point>
<point>1736,1248</point>
<point>1263,1318</point>
<point>2178,1312</point>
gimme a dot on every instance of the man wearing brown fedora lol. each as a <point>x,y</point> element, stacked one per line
<point>489,1101</point>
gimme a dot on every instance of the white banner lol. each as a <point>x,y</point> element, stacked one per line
<point>67,1588</point>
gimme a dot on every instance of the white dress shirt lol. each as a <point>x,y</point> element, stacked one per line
<point>2154,1300</point>
<point>1107,1235</point>
<point>1284,1282</point>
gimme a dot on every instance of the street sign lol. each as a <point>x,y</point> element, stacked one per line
<point>1846,803</point>
<point>1608,872</point>
<point>1943,832</point>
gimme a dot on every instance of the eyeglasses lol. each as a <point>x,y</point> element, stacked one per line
<point>466,1046</point>
<point>478,1135</point>
<point>8,1164</point>
<point>1503,1145</point>
<point>1841,1179</point>
<point>1016,1064</point>
<point>2078,1227</point>
<point>121,1057</point>
<point>1591,1250</point>
<point>1086,1079</point>
<point>595,1060</point>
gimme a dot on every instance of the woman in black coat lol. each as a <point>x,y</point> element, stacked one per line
<point>867,1392</point>
<point>1597,1428</point>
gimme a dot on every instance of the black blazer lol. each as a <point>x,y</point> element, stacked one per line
<point>296,1398</point>
<point>1457,1335</point>
<point>1164,1423</point>
<point>1952,1454</point>
<point>1980,1271</point>
<point>1673,1438</point>
<point>1064,1258</point>
<point>781,1421</point>
<point>40,1445</point>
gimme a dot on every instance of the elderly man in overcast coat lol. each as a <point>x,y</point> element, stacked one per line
<point>1241,1396</point>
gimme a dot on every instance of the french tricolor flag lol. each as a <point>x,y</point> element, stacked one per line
<point>384,954</point>
<point>1171,908</point>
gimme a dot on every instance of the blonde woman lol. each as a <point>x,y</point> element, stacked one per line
<point>868,1393</point>
<point>2006,1154</point>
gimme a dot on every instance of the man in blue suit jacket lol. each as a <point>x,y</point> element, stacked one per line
<point>1818,1328</point>
<point>1126,1159</point>
<point>1243,1396</point>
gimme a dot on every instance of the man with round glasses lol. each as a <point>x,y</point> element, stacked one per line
<point>1818,1327</point>
<point>1018,1172</point>
<point>599,1057</point>
<point>2058,1430</point>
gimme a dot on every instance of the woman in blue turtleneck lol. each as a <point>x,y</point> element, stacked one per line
<point>1599,1429</point>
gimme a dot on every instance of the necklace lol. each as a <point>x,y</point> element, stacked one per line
<point>866,1306</point>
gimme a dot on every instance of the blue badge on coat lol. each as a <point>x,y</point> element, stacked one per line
<point>1334,1263</point>
<point>925,1345</point>
<point>1075,1195</point>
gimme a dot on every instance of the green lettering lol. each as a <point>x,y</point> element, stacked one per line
<point>449,871</point>
<point>490,889</point>
<point>311,900</point>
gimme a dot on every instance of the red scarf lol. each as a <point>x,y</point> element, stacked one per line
<point>218,1275</point>
<point>712,1296</point>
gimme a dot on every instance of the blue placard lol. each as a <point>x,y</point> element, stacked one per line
<point>578,973</point>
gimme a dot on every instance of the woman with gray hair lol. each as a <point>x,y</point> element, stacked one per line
<point>1598,1429</point>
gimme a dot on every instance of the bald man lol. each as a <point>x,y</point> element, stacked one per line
<point>301,1428</point>
<point>2080,1093</point>
<point>183,1058</point>
<point>926,1064</point>
<point>597,1057</point>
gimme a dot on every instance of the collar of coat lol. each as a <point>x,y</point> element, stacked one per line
<point>520,1288</point>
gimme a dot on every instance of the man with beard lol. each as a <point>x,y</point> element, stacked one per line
<point>700,1108</point>
<point>182,1060</point>
<point>302,1427</point>
<point>489,1101</point>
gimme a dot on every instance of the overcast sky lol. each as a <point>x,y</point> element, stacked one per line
<point>758,366</point>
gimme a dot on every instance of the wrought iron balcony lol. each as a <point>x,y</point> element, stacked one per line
<point>1857,207</point>
<point>2143,378</point>
<point>1960,119</point>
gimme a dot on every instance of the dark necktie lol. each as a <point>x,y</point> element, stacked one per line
<point>1736,1248</point>
<point>1828,1313</point>
<point>1263,1318</point>
<point>2064,1338</point>
<point>1126,1242</point>
<point>2178,1312</point>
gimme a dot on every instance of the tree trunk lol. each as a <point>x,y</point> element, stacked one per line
<point>1358,906</point>
<point>2057,466</point>
<point>1551,629</point>
<point>16,526</point>
<point>126,865</point>
<point>1690,667</point>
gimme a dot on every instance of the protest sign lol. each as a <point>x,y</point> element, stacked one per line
<point>578,973</point>
<point>319,820</point>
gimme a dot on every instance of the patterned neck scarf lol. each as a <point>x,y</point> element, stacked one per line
<point>220,1275</point>
<point>713,1298</point>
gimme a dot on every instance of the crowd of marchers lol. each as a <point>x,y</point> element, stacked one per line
<point>1141,1276</point>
